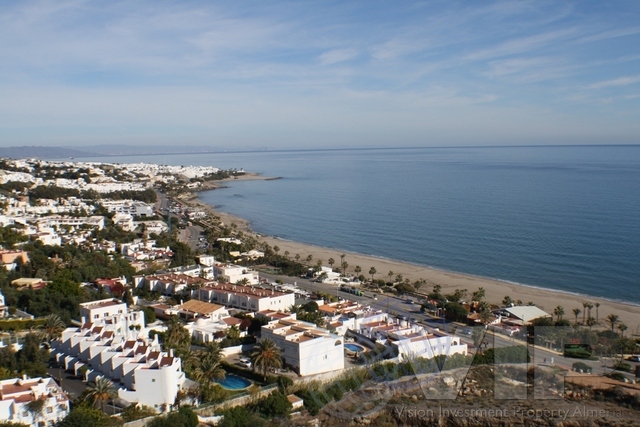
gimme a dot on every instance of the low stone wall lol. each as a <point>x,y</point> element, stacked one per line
<point>243,400</point>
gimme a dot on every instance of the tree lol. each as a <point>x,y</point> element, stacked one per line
<point>101,391</point>
<point>622,327</point>
<point>478,295</point>
<point>613,319</point>
<point>585,305</point>
<point>559,312</point>
<point>372,271</point>
<point>507,301</point>
<point>52,328</point>
<point>486,316</point>
<point>591,321</point>
<point>265,356</point>
<point>597,305</point>
<point>276,249</point>
<point>309,259</point>
<point>176,336</point>
<point>83,416</point>
<point>208,369</point>
<point>358,270</point>
<point>576,313</point>
<point>286,254</point>
<point>331,262</point>
<point>390,275</point>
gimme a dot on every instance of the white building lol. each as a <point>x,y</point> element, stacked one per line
<point>3,308</point>
<point>111,348</point>
<point>413,340</point>
<point>95,311</point>
<point>169,283</point>
<point>130,207</point>
<point>306,348</point>
<point>245,297</point>
<point>17,393</point>
<point>231,273</point>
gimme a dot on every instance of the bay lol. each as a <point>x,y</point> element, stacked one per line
<point>559,217</point>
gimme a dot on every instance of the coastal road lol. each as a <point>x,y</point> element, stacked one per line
<point>397,306</point>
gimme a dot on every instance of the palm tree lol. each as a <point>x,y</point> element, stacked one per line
<point>331,262</point>
<point>507,301</point>
<point>208,369</point>
<point>343,264</point>
<point>622,327</point>
<point>589,307</point>
<point>176,337</point>
<point>213,351</point>
<point>612,319</point>
<point>478,295</point>
<point>309,259</point>
<point>590,321</point>
<point>585,305</point>
<point>372,271</point>
<point>358,270</point>
<point>297,257</point>
<point>265,356</point>
<point>52,328</point>
<point>286,254</point>
<point>101,391</point>
<point>576,312</point>
<point>390,274</point>
<point>559,312</point>
<point>486,315</point>
<point>597,305</point>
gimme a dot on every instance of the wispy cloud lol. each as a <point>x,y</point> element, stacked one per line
<point>522,45</point>
<point>337,55</point>
<point>611,34</point>
<point>621,81</point>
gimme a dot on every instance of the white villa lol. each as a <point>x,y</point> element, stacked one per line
<point>413,340</point>
<point>94,311</point>
<point>112,347</point>
<point>245,297</point>
<point>169,283</point>
<point>305,347</point>
<point>231,273</point>
<point>17,393</point>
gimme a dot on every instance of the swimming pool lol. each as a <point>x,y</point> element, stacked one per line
<point>234,382</point>
<point>354,347</point>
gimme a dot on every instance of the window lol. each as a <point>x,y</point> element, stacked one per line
<point>49,410</point>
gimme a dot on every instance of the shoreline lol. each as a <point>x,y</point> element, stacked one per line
<point>545,298</point>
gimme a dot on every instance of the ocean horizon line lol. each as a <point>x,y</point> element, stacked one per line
<point>343,149</point>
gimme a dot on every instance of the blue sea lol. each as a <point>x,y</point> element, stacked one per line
<point>560,217</point>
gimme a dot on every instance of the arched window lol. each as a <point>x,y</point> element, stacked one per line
<point>338,342</point>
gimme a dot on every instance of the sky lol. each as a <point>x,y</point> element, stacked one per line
<point>292,74</point>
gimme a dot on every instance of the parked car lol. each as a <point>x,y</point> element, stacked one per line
<point>409,301</point>
<point>634,358</point>
<point>245,362</point>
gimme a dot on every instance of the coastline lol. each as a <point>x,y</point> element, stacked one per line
<point>496,289</point>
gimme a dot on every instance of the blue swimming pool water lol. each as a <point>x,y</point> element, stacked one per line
<point>354,347</point>
<point>234,382</point>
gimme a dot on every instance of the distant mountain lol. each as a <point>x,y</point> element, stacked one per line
<point>43,152</point>
<point>131,150</point>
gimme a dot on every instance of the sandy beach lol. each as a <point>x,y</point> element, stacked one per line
<point>495,289</point>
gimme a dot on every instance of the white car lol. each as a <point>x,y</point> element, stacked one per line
<point>245,362</point>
